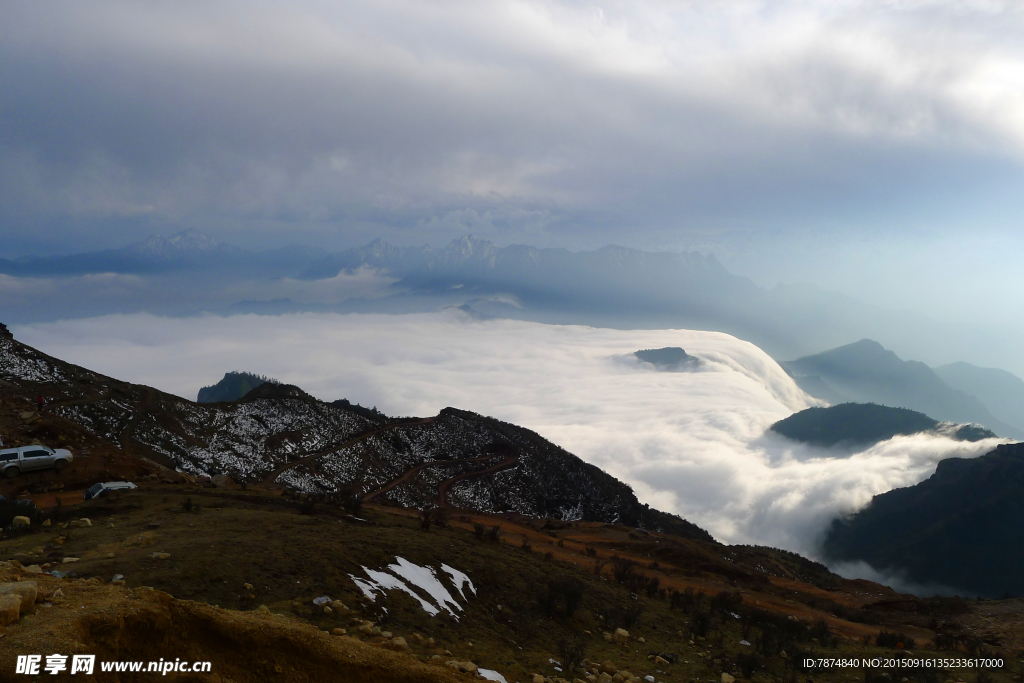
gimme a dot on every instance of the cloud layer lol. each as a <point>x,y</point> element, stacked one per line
<point>692,442</point>
<point>520,120</point>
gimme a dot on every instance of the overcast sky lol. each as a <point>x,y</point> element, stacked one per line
<point>797,139</point>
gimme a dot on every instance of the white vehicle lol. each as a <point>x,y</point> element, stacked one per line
<point>14,461</point>
<point>97,490</point>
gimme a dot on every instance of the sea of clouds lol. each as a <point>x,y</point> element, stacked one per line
<point>692,442</point>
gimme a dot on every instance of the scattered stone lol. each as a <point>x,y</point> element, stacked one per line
<point>385,634</point>
<point>70,559</point>
<point>649,678</point>
<point>25,590</point>
<point>784,655</point>
<point>744,643</point>
<point>34,569</point>
<point>328,610</point>
<point>20,521</point>
<point>375,631</point>
<point>608,667</point>
<point>399,644</point>
<point>621,636</point>
<point>322,600</point>
<point>85,521</point>
<point>161,556</point>
<point>641,639</point>
<point>726,678</point>
<point>660,660</point>
<point>537,678</point>
<point>338,631</point>
<point>10,608</point>
<point>366,628</point>
<point>46,523</point>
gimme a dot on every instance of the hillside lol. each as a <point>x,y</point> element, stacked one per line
<point>959,528</point>
<point>231,387</point>
<point>865,372</point>
<point>1002,392</point>
<point>866,423</point>
<point>356,583</point>
<point>280,435</point>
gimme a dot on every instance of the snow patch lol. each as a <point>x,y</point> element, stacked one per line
<point>491,675</point>
<point>405,575</point>
<point>459,579</point>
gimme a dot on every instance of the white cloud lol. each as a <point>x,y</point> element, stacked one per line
<point>691,442</point>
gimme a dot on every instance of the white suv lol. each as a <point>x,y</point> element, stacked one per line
<point>14,461</point>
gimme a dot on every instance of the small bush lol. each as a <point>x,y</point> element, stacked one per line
<point>591,552</point>
<point>186,505</point>
<point>571,653</point>
<point>494,533</point>
<point>479,530</point>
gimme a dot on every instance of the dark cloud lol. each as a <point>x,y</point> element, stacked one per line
<point>541,122</point>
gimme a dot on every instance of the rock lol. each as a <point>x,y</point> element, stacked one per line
<point>399,644</point>
<point>20,521</point>
<point>621,636</point>
<point>641,640</point>
<point>10,608</point>
<point>385,634</point>
<point>338,631</point>
<point>328,610</point>
<point>366,628</point>
<point>417,637</point>
<point>649,678</point>
<point>537,678</point>
<point>34,569</point>
<point>85,521</point>
<point>46,522</point>
<point>220,480</point>
<point>248,586</point>
<point>608,667</point>
<point>25,590</point>
<point>660,660</point>
<point>339,607</point>
<point>608,637</point>
<point>70,559</point>
<point>726,678</point>
<point>784,655</point>
<point>375,631</point>
<point>605,677</point>
<point>744,643</point>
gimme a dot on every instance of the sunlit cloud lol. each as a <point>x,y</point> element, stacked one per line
<point>690,442</point>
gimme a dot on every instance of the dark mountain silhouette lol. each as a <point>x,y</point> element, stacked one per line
<point>865,372</point>
<point>233,386</point>
<point>1002,392</point>
<point>865,424</point>
<point>668,358</point>
<point>189,250</point>
<point>959,528</point>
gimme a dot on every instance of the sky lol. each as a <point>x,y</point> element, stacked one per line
<point>691,442</point>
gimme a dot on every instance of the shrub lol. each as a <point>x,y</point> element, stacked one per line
<point>571,653</point>
<point>494,533</point>
<point>479,530</point>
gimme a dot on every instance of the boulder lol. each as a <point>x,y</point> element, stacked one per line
<point>604,678</point>
<point>399,644</point>
<point>537,678</point>
<point>726,678</point>
<point>34,569</point>
<point>220,480</point>
<point>339,607</point>
<point>25,590</point>
<point>21,521</point>
<point>608,667</point>
<point>338,631</point>
<point>366,628</point>
<point>85,521</point>
<point>10,608</point>
<point>620,636</point>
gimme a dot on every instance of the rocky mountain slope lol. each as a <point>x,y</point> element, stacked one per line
<point>233,386</point>
<point>867,423</point>
<point>960,528</point>
<point>866,372</point>
<point>280,435</point>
